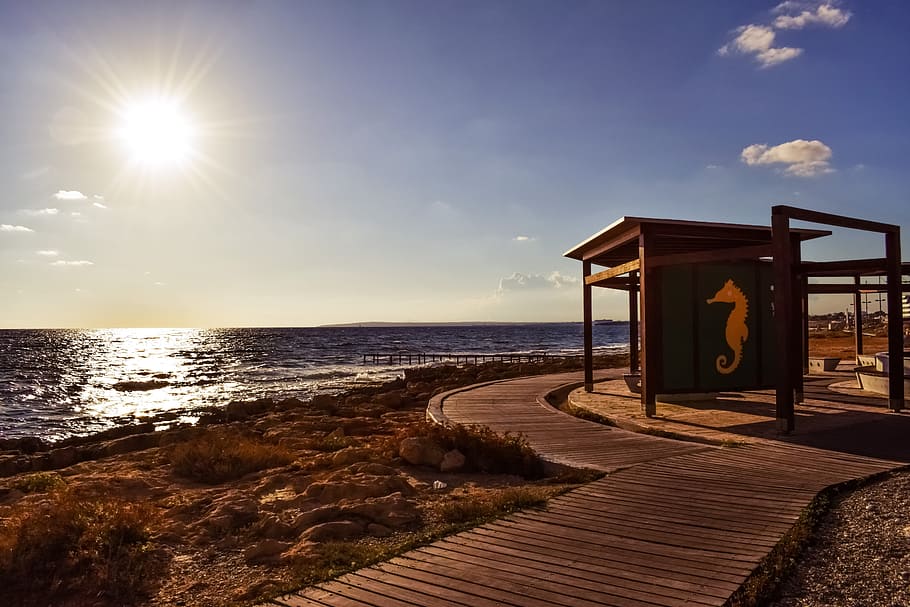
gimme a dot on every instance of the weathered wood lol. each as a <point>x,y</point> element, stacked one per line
<point>783,318</point>
<point>734,254</point>
<point>605,275</point>
<point>589,326</point>
<point>833,220</point>
<point>633,326</point>
<point>848,267</point>
<point>649,323</point>
<point>895,322</point>
<point>857,319</point>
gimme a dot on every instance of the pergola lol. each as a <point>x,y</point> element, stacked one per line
<point>637,251</point>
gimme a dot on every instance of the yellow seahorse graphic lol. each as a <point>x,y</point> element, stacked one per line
<point>737,332</point>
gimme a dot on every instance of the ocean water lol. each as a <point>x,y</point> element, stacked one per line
<point>60,383</point>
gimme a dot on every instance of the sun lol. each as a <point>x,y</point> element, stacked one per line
<point>157,132</point>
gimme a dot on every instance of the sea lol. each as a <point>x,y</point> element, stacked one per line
<point>59,383</point>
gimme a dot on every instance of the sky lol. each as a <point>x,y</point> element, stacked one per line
<point>305,162</point>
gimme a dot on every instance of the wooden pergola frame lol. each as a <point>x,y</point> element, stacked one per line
<point>632,248</point>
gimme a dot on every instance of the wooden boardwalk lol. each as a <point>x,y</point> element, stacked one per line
<point>672,524</point>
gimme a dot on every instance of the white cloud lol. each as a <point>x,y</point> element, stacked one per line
<point>758,40</point>
<point>69,195</point>
<point>797,15</point>
<point>712,166</point>
<point>40,212</point>
<point>47,253</point>
<point>76,214</point>
<point>802,158</point>
<point>35,173</point>
<point>523,238</point>
<point>99,205</point>
<point>10,228</point>
<point>520,282</point>
<point>72,264</point>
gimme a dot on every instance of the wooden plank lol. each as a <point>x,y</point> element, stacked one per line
<point>733,254</point>
<point>832,219</point>
<point>625,268</point>
<point>848,267</point>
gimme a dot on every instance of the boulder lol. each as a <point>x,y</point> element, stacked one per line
<point>334,530</point>
<point>421,451</point>
<point>349,456</point>
<point>453,461</point>
<point>266,550</point>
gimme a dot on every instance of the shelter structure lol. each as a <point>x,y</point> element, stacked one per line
<point>713,311</point>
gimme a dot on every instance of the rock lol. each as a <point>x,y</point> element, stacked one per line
<point>266,550</point>
<point>128,444</point>
<point>135,386</point>
<point>453,461</point>
<point>349,456</point>
<point>273,527</point>
<point>390,511</point>
<point>392,400</point>
<point>421,451</point>
<point>335,530</point>
<point>326,403</point>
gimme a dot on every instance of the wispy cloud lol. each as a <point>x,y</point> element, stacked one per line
<point>522,282</point>
<point>759,40</point>
<point>69,195</point>
<point>523,238</point>
<point>99,205</point>
<point>5,227</point>
<point>40,212</point>
<point>797,15</point>
<point>801,158</point>
<point>47,253</point>
<point>35,173</point>
<point>63,263</point>
<point>75,214</point>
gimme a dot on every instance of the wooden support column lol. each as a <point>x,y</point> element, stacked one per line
<point>783,318</point>
<point>858,318</point>
<point>895,322</point>
<point>804,300</point>
<point>589,328</point>
<point>633,323</point>
<point>650,309</point>
<point>799,328</point>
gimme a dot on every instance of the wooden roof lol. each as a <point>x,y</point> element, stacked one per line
<point>618,243</point>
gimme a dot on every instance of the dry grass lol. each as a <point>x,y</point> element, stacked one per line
<point>71,546</point>
<point>216,457</point>
<point>484,450</point>
<point>477,509</point>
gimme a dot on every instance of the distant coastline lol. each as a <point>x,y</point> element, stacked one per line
<point>486,323</point>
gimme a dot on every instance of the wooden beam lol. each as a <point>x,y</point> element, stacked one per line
<point>783,318</point>
<point>857,319</point>
<point>629,266</point>
<point>895,324</point>
<point>833,220</point>
<point>623,284</point>
<point>633,328</point>
<point>846,267</point>
<point>750,252</point>
<point>613,243</point>
<point>649,323</point>
<point>589,328</point>
<point>820,288</point>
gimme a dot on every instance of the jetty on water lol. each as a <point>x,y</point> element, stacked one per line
<point>423,358</point>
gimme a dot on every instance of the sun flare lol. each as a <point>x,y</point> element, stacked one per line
<point>157,132</point>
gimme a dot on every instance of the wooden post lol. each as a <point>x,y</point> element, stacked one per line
<point>650,307</point>
<point>804,299</point>
<point>589,328</point>
<point>857,318</point>
<point>633,323</point>
<point>895,322</point>
<point>783,317</point>
<point>799,329</point>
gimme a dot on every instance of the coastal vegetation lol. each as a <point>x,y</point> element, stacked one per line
<point>259,497</point>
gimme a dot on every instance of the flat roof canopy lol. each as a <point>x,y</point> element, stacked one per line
<point>618,243</point>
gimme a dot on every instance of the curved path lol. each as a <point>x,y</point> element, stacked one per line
<point>671,524</point>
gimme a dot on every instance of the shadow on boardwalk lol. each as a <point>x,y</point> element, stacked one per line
<point>673,523</point>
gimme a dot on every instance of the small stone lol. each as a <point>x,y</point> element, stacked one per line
<point>266,550</point>
<point>334,530</point>
<point>421,451</point>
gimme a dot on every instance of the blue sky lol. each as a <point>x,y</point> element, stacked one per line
<point>421,161</point>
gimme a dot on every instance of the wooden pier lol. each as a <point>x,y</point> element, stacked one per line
<point>424,358</point>
<point>673,523</point>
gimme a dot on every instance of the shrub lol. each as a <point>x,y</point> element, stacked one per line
<point>481,508</point>
<point>484,449</point>
<point>216,457</point>
<point>38,481</point>
<point>78,546</point>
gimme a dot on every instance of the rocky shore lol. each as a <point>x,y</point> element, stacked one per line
<point>257,498</point>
